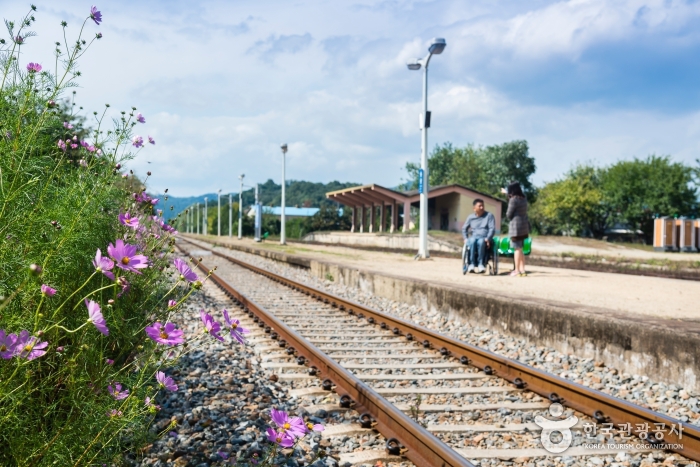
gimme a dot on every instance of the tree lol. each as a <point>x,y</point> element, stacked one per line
<point>574,204</point>
<point>509,162</point>
<point>639,189</point>
<point>483,169</point>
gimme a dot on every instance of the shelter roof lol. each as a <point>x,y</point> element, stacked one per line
<point>368,195</point>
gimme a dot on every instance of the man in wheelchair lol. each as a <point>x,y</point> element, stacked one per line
<point>482,226</point>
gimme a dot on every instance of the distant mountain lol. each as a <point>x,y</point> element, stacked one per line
<point>298,193</point>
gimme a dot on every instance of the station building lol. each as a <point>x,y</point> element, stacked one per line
<point>375,207</point>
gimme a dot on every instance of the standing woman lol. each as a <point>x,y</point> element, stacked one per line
<point>519,227</point>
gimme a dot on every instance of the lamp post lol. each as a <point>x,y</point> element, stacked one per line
<point>258,216</point>
<point>218,215</point>
<point>240,208</point>
<point>205,219</point>
<point>230,214</point>
<point>283,237</point>
<point>436,48</point>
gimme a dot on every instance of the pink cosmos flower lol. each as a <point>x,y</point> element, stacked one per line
<point>166,335</point>
<point>150,405</point>
<point>280,438</point>
<point>124,284</point>
<point>74,146</point>
<point>140,119</point>
<point>117,391</point>
<point>151,140</point>
<point>83,163</point>
<point>33,67</point>
<point>95,15</point>
<point>61,145</point>
<point>103,265</point>
<point>154,201</point>
<point>67,125</point>
<point>47,291</point>
<point>129,221</point>
<point>8,344</point>
<point>95,317</point>
<point>109,361</point>
<point>166,381</point>
<point>185,272</point>
<point>314,427</point>
<point>114,413</point>
<point>210,326</point>
<point>293,426</point>
<point>237,330</point>
<point>125,257</point>
<point>29,347</point>
<point>137,141</point>
<point>172,303</point>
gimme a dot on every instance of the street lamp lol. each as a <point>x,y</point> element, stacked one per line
<point>218,215</point>
<point>230,214</point>
<point>240,208</point>
<point>283,237</point>
<point>205,218</point>
<point>436,48</point>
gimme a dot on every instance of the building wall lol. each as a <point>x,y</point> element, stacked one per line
<point>458,207</point>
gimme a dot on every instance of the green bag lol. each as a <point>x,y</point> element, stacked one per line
<point>502,246</point>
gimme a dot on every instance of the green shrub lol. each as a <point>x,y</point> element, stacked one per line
<point>60,198</point>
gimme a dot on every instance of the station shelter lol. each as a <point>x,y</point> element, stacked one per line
<point>376,208</point>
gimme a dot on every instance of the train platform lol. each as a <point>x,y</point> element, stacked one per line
<point>671,299</point>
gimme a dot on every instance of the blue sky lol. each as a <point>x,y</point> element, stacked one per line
<point>223,84</point>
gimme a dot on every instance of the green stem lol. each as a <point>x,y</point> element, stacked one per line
<point>75,292</point>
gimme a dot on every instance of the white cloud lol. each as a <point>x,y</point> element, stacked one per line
<point>223,84</point>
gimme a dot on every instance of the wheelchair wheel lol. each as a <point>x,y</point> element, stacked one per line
<point>465,255</point>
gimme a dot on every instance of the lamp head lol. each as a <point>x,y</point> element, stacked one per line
<point>414,64</point>
<point>284,148</point>
<point>437,46</point>
<point>242,177</point>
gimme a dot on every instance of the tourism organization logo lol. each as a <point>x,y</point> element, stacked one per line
<point>556,435</point>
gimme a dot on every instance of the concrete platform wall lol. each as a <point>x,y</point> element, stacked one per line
<point>664,349</point>
<point>378,240</point>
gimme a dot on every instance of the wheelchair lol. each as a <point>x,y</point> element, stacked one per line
<point>491,258</point>
<point>500,246</point>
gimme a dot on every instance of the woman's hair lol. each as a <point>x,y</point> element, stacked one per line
<point>514,189</point>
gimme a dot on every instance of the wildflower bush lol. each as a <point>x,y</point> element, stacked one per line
<point>88,284</point>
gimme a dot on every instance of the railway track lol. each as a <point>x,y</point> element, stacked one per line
<point>439,401</point>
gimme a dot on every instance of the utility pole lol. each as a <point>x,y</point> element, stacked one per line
<point>283,236</point>
<point>240,208</point>
<point>230,214</point>
<point>205,219</point>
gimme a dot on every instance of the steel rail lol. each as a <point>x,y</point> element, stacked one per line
<point>408,438</point>
<point>604,408</point>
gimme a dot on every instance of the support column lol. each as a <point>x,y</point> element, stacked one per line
<point>352,217</point>
<point>362,218</point>
<point>394,217</point>
<point>382,218</point>
<point>371,218</point>
<point>406,216</point>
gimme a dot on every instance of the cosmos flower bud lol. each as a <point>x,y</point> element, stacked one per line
<point>35,269</point>
<point>197,285</point>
